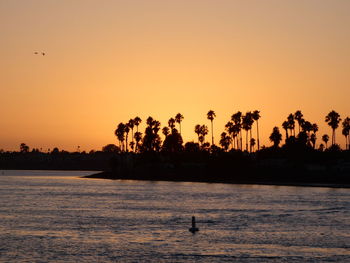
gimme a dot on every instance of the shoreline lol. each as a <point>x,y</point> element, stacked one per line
<point>110,176</point>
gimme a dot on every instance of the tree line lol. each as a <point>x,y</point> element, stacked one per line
<point>237,130</point>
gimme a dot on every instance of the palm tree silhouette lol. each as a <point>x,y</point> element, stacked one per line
<point>225,141</point>
<point>131,125</point>
<point>229,126</point>
<point>247,122</point>
<point>346,131</point>
<point>138,138</point>
<point>299,117</point>
<point>165,131</point>
<point>178,118</point>
<point>256,117</point>
<point>197,129</point>
<point>291,123</point>
<point>204,131</point>
<point>275,137</point>
<point>285,126</point>
<point>211,115</point>
<point>127,129</point>
<point>315,130</point>
<point>237,120</point>
<point>119,132</point>
<point>252,144</point>
<point>137,121</point>
<point>333,119</point>
<point>325,138</point>
<point>171,123</point>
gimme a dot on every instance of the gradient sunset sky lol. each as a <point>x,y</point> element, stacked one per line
<point>109,61</point>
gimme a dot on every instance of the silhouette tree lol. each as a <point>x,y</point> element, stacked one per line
<point>256,117</point>
<point>299,117</point>
<point>165,131</point>
<point>131,125</point>
<point>137,121</point>
<point>275,137</point>
<point>247,122</point>
<point>151,141</point>
<point>204,132</point>
<point>325,138</point>
<point>211,115</point>
<point>252,143</point>
<point>197,129</point>
<point>173,142</point>
<point>24,148</point>
<point>138,138</point>
<point>346,131</point>
<point>110,148</point>
<point>119,132</point>
<point>291,123</point>
<point>285,126</point>
<point>171,123</point>
<point>127,130</point>
<point>178,118</point>
<point>237,120</point>
<point>333,119</point>
<point>229,126</point>
<point>225,141</point>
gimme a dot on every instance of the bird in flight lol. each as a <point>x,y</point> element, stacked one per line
<point>42,53</point>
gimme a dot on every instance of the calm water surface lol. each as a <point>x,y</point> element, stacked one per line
<point>50,216</point>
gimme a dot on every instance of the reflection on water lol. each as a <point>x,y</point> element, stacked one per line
<point>58,217</point>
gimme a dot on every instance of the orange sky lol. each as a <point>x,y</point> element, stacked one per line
<point>109,61</point>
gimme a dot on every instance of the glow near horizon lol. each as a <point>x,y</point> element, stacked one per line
<point>109,61</point>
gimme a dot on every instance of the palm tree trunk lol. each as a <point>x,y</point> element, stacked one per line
<point>241,142</point>
<point>333,136</point>
<point>257,133</point>
<point>180,127</point>
<point>246,141</point>
<point>250,141</point>
<point>212,133</point>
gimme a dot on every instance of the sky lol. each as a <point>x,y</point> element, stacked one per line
<point>109,61</point>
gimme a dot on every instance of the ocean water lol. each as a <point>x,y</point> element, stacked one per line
<point>51,216</point>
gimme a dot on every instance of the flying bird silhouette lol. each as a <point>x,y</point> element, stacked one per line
<point>42,53</point>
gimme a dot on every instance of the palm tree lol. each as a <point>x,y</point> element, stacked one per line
<point>171,123</point>
<point>211,115</point>
<point>127,129</point>
<point>229,126</point>
<point>131,125</point>
<point>119,132</point>
<point>285,126</point>
<point>346,131</point>
<point>178,118</point>
<point>315,130</point>
<point>237,120</point>
<point>333,119</point>
<point>252,143</point>
<point>299,117</point>
<point>197,129</point>
<point>138,138</point>
<point>137,121</point>
<point>325,138</point>
<point>275,137</point>
<point>165,131</point>
<point>247,122</point>
<point>204,131</point>
<point>225,141</point>
<point>150,122</point>
<point>291,123</point>
<point>256,117</point>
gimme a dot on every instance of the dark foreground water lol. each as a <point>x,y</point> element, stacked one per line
<point>57,217</point>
